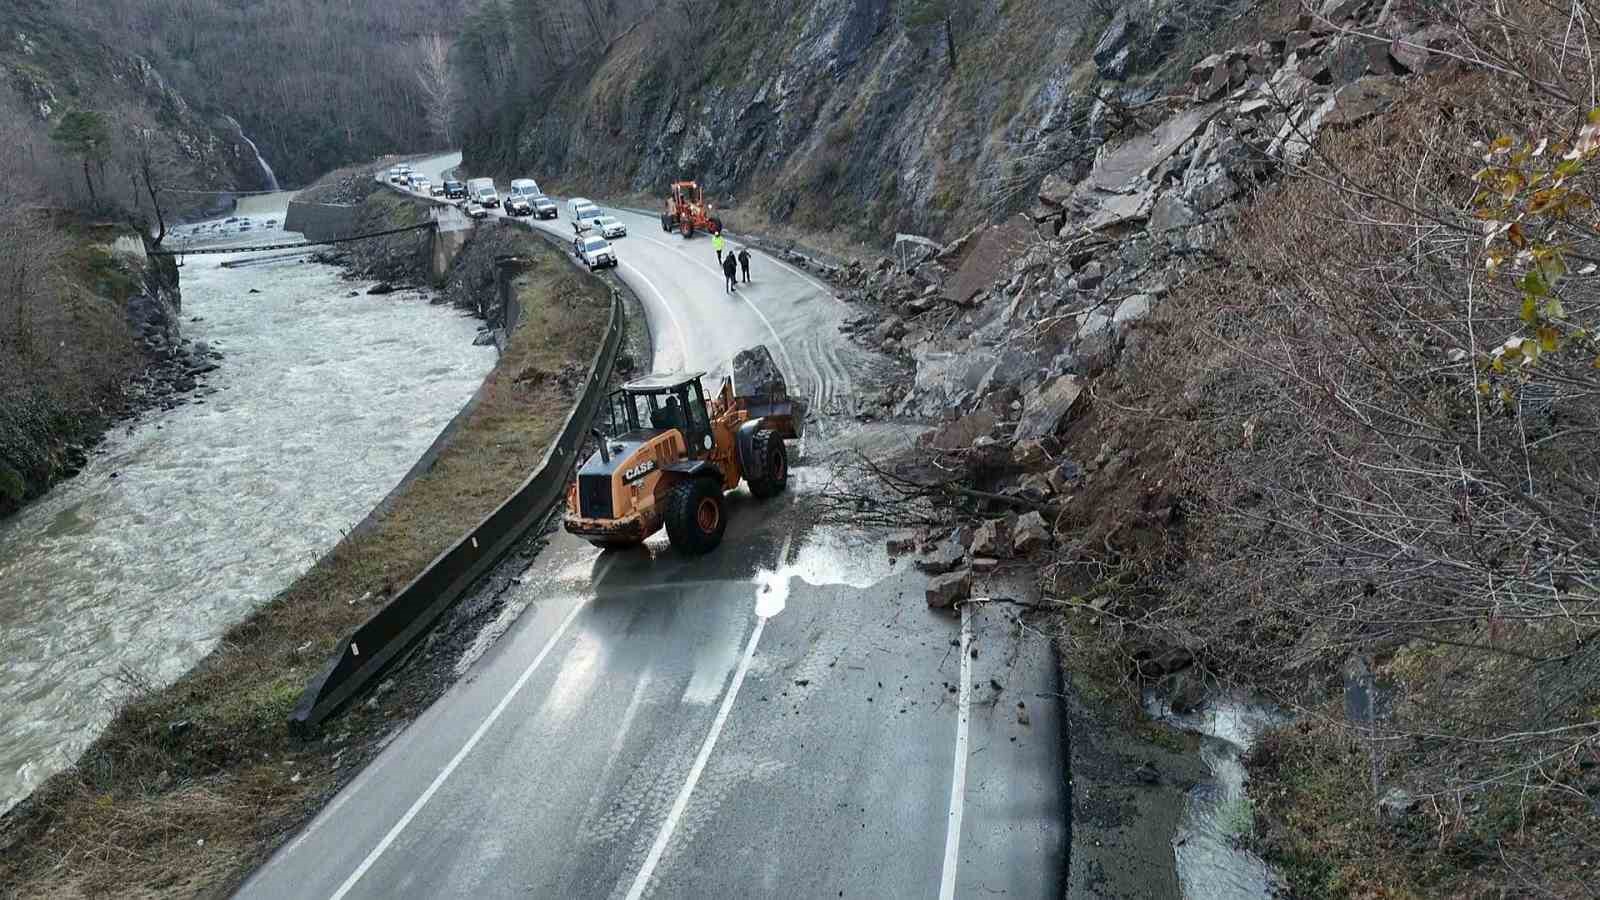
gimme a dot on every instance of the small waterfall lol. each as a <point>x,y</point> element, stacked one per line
<point>272,179</point>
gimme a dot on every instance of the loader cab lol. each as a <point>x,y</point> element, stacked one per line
<point>662,402</point>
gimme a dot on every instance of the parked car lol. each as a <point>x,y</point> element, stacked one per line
<point>455,190</point>
<point>394,175</point>
<point>594,251</point>
<point>476,210</point>
<point>436,190</point>
<point>545,208</point>
<point>421,183</point>
<point>611,227</point>
<point>517,205</point>
<point>583,213</point>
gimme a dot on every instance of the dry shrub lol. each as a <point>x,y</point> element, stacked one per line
<point>1371,475</point>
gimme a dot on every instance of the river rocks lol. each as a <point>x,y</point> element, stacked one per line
<point>947,590</point>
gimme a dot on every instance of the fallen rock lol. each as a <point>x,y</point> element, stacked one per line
<point>942,557</point>
<point>992,539</point>
<point>902,542</point>
<point>382,287</point>
<point>1355,103</point>
<point>1030,534</point>
<point>960,433</point>
<point>1046,409</point>
<point>1133,309</point>
<point>1030,453</point>
<point>947,590</point>
<point>984,565</point>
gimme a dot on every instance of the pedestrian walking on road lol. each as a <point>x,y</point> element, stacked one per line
<point>744,262</point>
<point>717,243</point>
<point>730,273</point>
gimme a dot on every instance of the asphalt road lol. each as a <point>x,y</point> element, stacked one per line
<point>781,718</point>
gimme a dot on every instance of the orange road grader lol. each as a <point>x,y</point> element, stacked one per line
<point>668,455</point>
<point>687,211</point>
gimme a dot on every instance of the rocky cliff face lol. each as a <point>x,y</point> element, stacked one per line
<point>1100,249</point>
<point>836,114</point>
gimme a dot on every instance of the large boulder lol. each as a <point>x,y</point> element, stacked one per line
<point>992,539</point>
<point>756,373</point>
<point>1030,535</point>
<point>1046,409</point>
<point>946,591</point>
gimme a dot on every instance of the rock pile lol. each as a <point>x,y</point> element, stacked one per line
<point>1008,359</point>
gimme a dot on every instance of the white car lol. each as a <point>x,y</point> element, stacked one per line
<point>594,251</point>
<point>584,213</point>
<point>611,227</point>
<point>394,175</point>
<point>420,183</point>
<point>475,209</point>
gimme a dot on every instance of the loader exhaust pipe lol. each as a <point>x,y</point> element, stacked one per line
<point>605,455</point>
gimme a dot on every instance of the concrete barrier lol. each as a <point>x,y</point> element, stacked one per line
<point>413,611</point>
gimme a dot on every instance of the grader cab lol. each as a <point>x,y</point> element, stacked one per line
<point>687,211</point>
<point>668,454</point>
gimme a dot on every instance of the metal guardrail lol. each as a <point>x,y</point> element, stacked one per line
<point>412,612</point>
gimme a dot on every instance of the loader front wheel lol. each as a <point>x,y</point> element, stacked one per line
<point>696,517</point>
<point>774,459</point>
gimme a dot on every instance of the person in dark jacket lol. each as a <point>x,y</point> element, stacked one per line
<point>744,262</point>
<point>730,272</point>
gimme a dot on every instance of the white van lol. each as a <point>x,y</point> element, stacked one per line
<point>482,191</point>
<point>524,187</point>
<point>584,213</point>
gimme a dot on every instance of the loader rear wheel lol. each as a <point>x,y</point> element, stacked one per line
<point>687,227</point>
<point>774,458</point>
<point>696,517</point>
<point>666,223</point>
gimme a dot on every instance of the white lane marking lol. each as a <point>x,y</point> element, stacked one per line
<point>958,778</point>
<point>782,349</point>
<point>679,805</point>
<point>461,754</point>
<point>683,340</point>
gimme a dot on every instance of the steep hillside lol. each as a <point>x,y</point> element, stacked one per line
<point>315,84</point>
<point>853,113</point>
<point>51,67</point>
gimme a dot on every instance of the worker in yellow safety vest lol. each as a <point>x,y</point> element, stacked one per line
<point>717,244</point>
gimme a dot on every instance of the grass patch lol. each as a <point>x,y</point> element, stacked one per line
<point>194,783</point>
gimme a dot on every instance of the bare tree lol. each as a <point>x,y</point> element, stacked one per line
<point>437,82</point>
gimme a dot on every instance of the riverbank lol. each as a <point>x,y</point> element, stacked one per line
<point>168,780</point>
<point>91,336</point>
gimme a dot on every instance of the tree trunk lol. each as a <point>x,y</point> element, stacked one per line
<point>155,203</point>
<point>88,181</point>
<point>950,40</point>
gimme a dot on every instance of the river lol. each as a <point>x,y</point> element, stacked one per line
<point>188,520</point>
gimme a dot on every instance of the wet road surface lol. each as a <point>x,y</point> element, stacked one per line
<point>784,717</point>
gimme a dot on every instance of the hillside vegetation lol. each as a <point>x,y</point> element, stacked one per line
<point>1303,373</point>
<point>315,84</point>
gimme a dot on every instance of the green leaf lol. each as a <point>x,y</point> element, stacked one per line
<point>1533,285</point>
<point>1553,309</point>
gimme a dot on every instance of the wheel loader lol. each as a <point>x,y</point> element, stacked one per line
<point>668,454</point>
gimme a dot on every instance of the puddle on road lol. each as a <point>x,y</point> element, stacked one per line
<point>1210,864</point>
<point>831,557</point>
